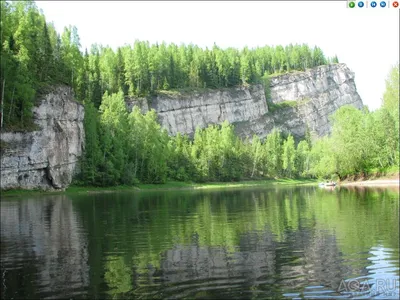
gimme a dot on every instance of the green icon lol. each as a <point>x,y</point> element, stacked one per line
<point>352,4</point>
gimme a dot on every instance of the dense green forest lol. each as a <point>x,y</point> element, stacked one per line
<point>129,148</point>
<point>34,56</point>
<point>126,148</point>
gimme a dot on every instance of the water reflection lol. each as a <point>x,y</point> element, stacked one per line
<point>382,280</point>
<point>378,280</point>
<point>44,247</point>
<point>250,243</point>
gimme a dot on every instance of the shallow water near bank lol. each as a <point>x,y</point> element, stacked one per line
<point>274,242</point>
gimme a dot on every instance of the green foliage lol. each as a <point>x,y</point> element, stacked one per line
<point>118,276</point>
<point>283,210</point>
<point>273,153</point>
<point>273,107</point>
<point>361,142</point>
<point>307,136</point>
<point>288,156</point>
<point>92,155</point>
<point>302,159</point>
<point>267,87</point>
<point>322,159</point>
<point>33,55</point>
<point>124,148</point>
<point>391,95</point>
<point>213,154</point>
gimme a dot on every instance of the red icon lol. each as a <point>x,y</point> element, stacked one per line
<point>395,4</point>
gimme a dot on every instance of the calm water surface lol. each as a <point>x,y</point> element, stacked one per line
<point>286,242</point>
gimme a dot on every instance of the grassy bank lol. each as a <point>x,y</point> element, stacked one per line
<point>215,185</point>
<point>172,185</point>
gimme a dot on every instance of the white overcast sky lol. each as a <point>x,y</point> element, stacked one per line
<point>366,39</point>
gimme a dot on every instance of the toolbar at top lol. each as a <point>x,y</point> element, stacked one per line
<point>372,4</point>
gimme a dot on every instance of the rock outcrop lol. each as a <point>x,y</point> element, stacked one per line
<point>184,112</point>
<point>298,100</point>
<point>45,158</point>
<point>318,93</point>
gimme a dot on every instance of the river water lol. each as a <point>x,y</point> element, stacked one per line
<point>252,243</point>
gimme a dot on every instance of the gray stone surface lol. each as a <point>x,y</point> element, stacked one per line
<point>46,158</point>
<point>318,93</point>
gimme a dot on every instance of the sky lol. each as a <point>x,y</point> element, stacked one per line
<point>366,39</point>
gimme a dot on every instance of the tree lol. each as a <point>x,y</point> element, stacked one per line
<point>115,123</point>
<point>289,155</point>
<point>256,153</point>
<point>391,94</point>
<point>95,90</point>
<point>318,57</point>
<point>267,87</point>
<point>230,164</point>
<point>302,159</point>
<point>307,136</point>
<point>273,150</point>
<point>92,153</point>
<point>323,160</point>
<point>348,139</point>
<point>71,54</point>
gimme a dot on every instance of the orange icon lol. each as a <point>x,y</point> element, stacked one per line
<point>395,4</point>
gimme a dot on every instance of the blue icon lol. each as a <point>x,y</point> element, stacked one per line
<point>373,4</point>
<point>383,4</point>
<point>360,4</point>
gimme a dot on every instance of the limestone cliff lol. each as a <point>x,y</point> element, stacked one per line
<point>319,92</point>
<point>297,100</point>
<point>45,158</point>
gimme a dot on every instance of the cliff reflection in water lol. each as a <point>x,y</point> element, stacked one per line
<point>258,265</point>
<point>44,247</point>
<point>239,243</point>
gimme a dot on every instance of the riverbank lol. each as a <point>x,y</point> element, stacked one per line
<point>176,185</point>
<point>377,182</point>
<point>374,181</point>
<point>217,185</point>
<point>173,185</point>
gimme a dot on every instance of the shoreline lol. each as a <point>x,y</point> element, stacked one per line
<point>168,186</point>
<point>373,183</point>
<point>187,186</point>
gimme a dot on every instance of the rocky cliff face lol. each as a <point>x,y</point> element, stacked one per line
<point>46,158</point>
<point>318,93</point>
<point>184,112</point>
<point>297,100</point>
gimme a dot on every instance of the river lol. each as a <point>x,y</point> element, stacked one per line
<point>248,243</point>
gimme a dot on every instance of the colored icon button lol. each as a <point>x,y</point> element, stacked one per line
<point>395,4</point>
<point>352,4</point>
<point>360,4</point>
<point>373,4</point>
<point>382,4</point>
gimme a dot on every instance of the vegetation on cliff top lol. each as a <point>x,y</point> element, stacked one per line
<point>34,55</point>
<point>132,148</point>
<point>124,148</point>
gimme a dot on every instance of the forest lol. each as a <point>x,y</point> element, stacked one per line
<point>35,56</point>
<point>125,148</point>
